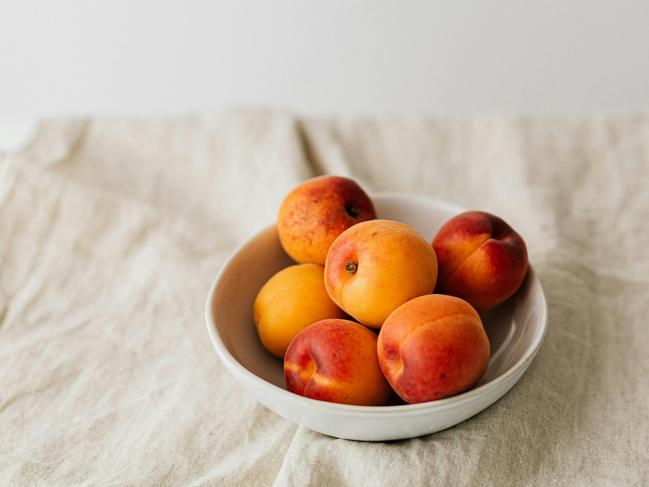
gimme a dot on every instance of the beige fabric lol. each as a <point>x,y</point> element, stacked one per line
<point>112,230</point>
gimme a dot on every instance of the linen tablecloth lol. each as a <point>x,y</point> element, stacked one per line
<point>111,231</point>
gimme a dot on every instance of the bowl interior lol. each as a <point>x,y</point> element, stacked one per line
<point>512,327</point>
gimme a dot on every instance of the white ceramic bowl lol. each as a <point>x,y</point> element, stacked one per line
<point>515,328</point>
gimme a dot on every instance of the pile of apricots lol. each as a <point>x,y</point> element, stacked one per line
<point>356,276</point>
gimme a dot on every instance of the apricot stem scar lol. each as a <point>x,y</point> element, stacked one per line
<point>351,267</point>
<point>352,210</point>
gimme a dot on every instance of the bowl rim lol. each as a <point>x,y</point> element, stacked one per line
<point>296,400</point>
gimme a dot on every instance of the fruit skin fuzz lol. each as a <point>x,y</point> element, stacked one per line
<point>376,266</point>
<point>315,212</point>
<point>481,259</point>
<point>335,360</point>
<point>433,347</point>
<point>291,300</point>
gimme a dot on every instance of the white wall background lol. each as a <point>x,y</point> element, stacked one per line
<point>336,56</point>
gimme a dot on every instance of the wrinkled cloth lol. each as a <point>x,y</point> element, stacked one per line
<point>111,231</point>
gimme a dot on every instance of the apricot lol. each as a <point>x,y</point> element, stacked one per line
<point>314,213</point>
<point>290,301</point>
<point>481,259</point>
<point>433,347</point>
<point>375,266</point>
<point>335,360</point>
